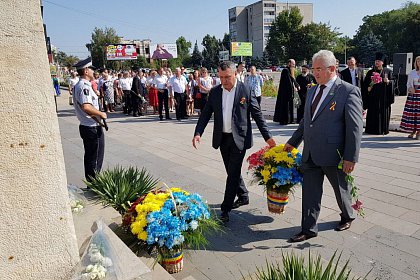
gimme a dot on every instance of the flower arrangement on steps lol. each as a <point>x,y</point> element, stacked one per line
<point>279,171</point>
<point>162,222</point>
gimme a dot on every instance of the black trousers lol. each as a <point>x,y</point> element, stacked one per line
<point>94,144</point>
<point>259,100</point>
<point>232,159</point>
<point>301,109</point>
<point>135,103</point>
<point>181,105</point>
<point>203,100</point>
<point>127,102</point>
<point>163,100</point>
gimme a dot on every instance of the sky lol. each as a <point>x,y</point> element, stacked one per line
<point>70,23</point>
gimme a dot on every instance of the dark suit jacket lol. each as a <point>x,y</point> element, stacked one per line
<point>346,76</point>
<point>337,126</point>
<point>244,105</point>
<point>136,86</point>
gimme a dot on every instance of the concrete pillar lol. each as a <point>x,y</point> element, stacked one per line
<point>37,237</point>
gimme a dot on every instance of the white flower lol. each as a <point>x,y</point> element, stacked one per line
<point>194,225</point>
<point>107,262</point>
<point>96,257</point>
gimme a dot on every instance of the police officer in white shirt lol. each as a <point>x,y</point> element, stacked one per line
<point>87,111</point>
<point>160,82</point>
<point>179,85</point>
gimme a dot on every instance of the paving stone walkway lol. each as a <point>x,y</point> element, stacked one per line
<point>387,240</point>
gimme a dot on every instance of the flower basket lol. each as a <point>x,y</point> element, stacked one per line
<point>172,260</point>
<point>277,201</point>
<point>169,221</point>
<point>279,172</point>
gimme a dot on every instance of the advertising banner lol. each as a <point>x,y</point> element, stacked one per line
<point>163,51</point>
<point>241,49</point>
<point>223,55</point>
<point>121,52</point>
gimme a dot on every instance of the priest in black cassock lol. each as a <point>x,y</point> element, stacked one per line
<point>284,104</point>
<point>379,98</point>
<point>304,80</point>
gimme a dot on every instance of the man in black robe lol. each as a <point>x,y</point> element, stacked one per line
<point>284,104</point>
<point>379,97</point>
<point>304,80</point>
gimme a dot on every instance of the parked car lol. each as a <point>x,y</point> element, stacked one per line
<point>341,67</point>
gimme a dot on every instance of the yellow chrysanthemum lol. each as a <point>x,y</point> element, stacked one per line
<point>142,235</point>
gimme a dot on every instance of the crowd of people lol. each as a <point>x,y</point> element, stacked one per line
<point>376,86</point>
<point>165,91</point>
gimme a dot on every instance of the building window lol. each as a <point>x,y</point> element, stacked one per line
<point>269,5</point>
<point>267,28</point>
<point>268,20</point>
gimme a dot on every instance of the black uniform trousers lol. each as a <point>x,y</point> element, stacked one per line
<point>180,105</point>
<point>135,103</point>
<point>94,144</point>
<point>163,100</point>
<point>232,159</point>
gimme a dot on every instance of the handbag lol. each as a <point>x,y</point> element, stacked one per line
<point>70,100</point>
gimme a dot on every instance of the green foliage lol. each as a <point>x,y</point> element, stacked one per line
<point>197,239</point>
<point>65,60</point>
<point>269,89</point>
<point>196,57</point>
<point>282,34</point>
<point>288,38</point>
<point>396,30</point>
<point>120,187</point>
<point>97,46</point>
<point>225,42</point>
<point>368,45</point>
<point>210,52</point>
<point>294,267</point>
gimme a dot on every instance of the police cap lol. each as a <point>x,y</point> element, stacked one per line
<point>85,63</point>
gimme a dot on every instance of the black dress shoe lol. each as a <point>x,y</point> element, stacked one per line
<point>240,202</point>
<point>135,115</point>
<point>168,118</point>
<point>302,237</point>
<point>161,118</point>
<point>224,217</point>
<point>343,225</point>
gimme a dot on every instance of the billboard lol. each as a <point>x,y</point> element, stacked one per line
<point>241,49</point>
<point>163,51</point>
<point>121,52</point>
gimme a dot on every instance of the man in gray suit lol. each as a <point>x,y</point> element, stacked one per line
<point>332,124</point>
<point>232,104</point>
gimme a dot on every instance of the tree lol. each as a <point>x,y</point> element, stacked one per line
<point>314,37</point>
<point>101,38</point>
<point>225,43</point>
<point>196,57</point>
<point>210,51</point>
<point>280,42</point>
<point>65,60</point>
<point>396,29</point>
<point>368,45</point>
<point>183,48</point>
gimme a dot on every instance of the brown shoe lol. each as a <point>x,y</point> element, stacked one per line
<point>302,237</point>
<point>343,225</point>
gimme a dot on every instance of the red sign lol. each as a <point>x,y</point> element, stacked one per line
<point>121,52</point>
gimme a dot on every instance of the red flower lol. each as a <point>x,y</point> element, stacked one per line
<point>255,159</point>
<point>358,205</point>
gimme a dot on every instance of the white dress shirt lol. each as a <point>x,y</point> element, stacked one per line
<point>178,84</point>
<point>324,93</point>
<point>353,76</point>
<point>125,84</point>
<point>160,81</point>
<point>227,108</point>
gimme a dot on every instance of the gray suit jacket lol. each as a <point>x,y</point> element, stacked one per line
<point>334,127</point>
<point>245,105</point>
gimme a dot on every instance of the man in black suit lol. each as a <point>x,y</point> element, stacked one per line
<point>136,92</point>
<point>352,74</point>
<point>232,104</point>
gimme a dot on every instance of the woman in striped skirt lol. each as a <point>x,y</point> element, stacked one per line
<point>411,116</point>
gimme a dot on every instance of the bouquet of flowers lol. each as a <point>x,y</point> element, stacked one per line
<point>98,260</point>
<point>169,221</point>
<point>77,199</point>
<point>279,171</point>
<point>376,79</point>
